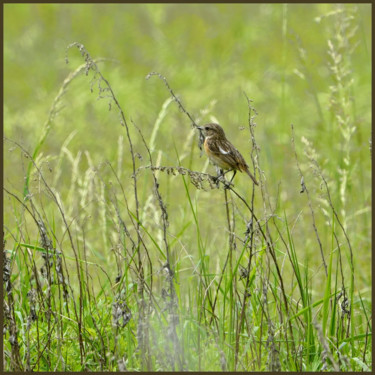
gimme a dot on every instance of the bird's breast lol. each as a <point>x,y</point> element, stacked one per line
<point>217,159</point>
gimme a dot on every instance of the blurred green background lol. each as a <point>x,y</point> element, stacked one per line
<point>279,55</point>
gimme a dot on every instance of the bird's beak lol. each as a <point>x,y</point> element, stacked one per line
<point>200,127</point>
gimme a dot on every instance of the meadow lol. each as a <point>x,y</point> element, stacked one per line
<point>122,252</point>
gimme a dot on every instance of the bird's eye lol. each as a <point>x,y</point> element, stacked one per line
<point>206,128</point>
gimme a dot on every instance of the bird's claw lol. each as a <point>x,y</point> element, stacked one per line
<point>216,180</point>
<point>227,185</point>
<point>221,177</point>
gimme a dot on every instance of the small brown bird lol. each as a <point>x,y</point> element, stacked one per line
<point>222,153</point>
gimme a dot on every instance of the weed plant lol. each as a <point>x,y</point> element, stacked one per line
<point>144,263</point>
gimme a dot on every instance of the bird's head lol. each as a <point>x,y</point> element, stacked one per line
<point>212,129</point>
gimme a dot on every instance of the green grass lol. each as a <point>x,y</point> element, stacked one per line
<point>120,251</point>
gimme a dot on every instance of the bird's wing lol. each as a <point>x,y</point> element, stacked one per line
<point>227,152</point>
<point>224,151</point>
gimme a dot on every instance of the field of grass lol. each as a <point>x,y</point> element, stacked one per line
<point>122,251</point>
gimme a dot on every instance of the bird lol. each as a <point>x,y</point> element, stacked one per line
<point>222,153</point>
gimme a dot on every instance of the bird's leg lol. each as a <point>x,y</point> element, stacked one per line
<point>219,173</point>
<point>226,183</point>
<point>234,173</point>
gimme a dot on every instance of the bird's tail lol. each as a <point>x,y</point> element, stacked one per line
<point>251,176</point>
